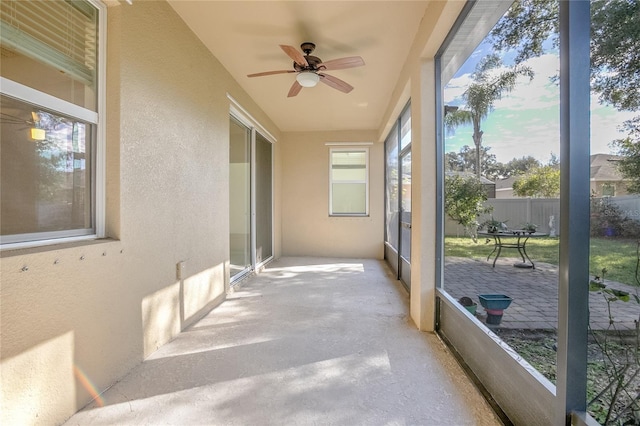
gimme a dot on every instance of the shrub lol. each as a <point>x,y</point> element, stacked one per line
<point>630,228</point>
<point>608,220</point>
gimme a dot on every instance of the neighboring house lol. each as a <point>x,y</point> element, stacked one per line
<point>606,180</point>
<point>504,187</point>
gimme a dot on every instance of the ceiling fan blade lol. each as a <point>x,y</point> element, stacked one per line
<point>260,74</point>
<point>336,83</point>
<point>295,89</point>
<point>342,63</point>
<point>295,54</point>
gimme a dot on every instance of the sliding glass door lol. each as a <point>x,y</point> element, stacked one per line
<point>250,198</point>
<point>398,198</point>
<point>264,199</point>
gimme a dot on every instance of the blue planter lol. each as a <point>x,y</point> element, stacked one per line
<point>494,319</point>
<point>495,301</point>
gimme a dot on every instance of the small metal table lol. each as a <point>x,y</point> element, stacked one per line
<point>515,239</point>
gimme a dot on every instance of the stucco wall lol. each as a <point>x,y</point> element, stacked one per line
<point>308,229</point>
<point>81,315</point>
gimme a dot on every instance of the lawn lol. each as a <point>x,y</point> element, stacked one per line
<point>618,256</point>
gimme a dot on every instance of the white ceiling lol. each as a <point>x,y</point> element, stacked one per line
<point>244,36</point>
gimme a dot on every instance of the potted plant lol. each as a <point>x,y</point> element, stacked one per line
<point>494,305</point>
<point>469,304</point>
<point>492,225</point>
<point>529,227</point>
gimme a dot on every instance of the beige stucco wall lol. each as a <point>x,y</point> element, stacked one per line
<point>79,316</point>
<point>308,229</point>
<point>416,83</point>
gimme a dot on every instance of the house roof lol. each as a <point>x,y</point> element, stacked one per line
<point>506,183</point>
<point>603,167</point>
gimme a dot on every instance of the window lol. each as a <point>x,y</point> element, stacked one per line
<point>349,182</point>
<point>608,190</point>
<point>51,164</point>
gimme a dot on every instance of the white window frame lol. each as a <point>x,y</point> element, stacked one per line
<point>350,148</point>
<point>97,118</point>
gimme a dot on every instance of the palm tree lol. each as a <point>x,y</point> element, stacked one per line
<point>485,89</point>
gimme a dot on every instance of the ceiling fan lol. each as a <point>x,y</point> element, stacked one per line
<point>311,69</point>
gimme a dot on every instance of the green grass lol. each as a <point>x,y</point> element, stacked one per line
<point>618,256</point>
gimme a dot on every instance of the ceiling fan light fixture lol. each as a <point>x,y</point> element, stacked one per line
<point>308,78</point>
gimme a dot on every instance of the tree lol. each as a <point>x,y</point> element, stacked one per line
<point>615,52</point>
<point>629,149</point>
<point>453,162</point>
<point>463,201</point>
<point>518,166</point>
<point>465,160</point>
<point>488,85</point>
<point>541,182</point>
<point>615,43</point>
<point>615,58</point>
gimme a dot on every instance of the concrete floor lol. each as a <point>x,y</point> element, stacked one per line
<point>307,342</point>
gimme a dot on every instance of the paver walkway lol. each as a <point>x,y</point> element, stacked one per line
<point>534,293</point>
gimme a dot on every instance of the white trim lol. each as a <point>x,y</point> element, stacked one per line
<point>33,96</point>
<point>247,119</point>
<point>253,230</point>
<point>47,242</point>
<point>366,181</point>
<point>348,143</point>
<point>100,181</point>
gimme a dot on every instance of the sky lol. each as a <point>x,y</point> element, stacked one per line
<point>526,120</point>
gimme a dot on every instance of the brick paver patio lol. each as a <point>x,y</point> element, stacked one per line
<point>534,293</point>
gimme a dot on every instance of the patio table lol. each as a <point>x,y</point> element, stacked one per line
<point>515,239</point>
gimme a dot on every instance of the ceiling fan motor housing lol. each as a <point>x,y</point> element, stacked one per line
<point>313,62</point>
<point>307,47</point>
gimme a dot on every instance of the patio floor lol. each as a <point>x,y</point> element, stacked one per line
<point>309,341</point>
<point>534,293</point>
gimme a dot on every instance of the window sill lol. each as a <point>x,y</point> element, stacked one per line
<point>34,247</point>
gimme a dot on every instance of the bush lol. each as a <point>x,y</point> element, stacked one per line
<point>608,220</point>
<point>630,229</point>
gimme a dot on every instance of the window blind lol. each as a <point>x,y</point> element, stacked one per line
<point>62,34</point>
